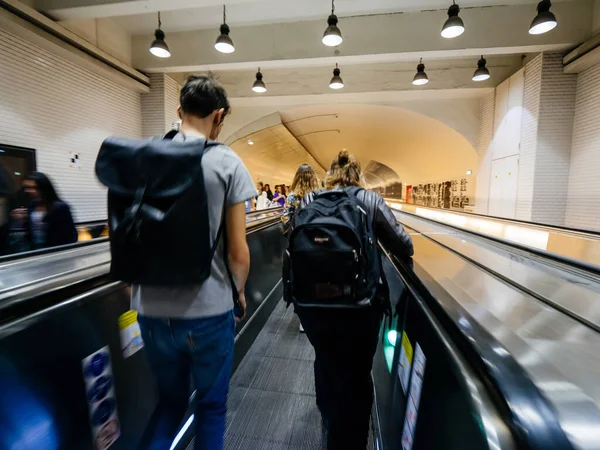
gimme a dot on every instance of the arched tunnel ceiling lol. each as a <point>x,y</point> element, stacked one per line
<point>417,148</point>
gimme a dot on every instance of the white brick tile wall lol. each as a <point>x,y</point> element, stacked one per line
<point>583,209</point>
<point>555,133</point>
<point>57,107</point>
<point>159,106</point>
<point>529,131</point>
<point>484,153</point>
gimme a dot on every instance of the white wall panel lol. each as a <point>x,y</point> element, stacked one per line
<point>583,209</point>
<point>57,107</point>
<point>503,187</point>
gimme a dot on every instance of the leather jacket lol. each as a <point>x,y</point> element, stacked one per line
<point>387,229</point>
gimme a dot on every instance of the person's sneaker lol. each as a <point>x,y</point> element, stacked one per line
<point>301,329</point>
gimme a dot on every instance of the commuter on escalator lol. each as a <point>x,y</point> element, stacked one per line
<point>47,221</point>
<point>6,197</point>
<point>186,294</point>
<point>341,321</point>
<point>269,192</point>
<point>279,197</point>
<point>305,182</point>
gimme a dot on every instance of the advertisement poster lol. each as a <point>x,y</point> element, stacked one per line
<point>405,362</point>
<point>102,404</point>
<point>131,336</point>
<point>414,399</point>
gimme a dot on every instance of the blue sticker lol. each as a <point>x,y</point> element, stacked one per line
<point>102,413</point>
<point>100,389</point>
<point>97,364</point>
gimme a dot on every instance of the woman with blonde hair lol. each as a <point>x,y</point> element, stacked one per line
<point>345,339</point>
<point>305,182</point>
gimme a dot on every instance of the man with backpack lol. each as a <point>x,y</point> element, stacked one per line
<point>178,233</point>
<point>333,275</point>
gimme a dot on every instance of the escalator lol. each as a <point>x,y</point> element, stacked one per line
<point>448,373</point>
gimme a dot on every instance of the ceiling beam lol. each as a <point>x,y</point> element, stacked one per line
<point>94,9</point>
<point>377,38</point>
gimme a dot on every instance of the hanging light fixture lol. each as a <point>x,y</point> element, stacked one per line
<point>224,43</point>
<point>332,36</point>
<point>259,84</point>
<point>336,81</point>
<point>545,20</point>
<point>159,46</point>
<point>420,77</point>
<point>482,73</point>
<point>454,26</point>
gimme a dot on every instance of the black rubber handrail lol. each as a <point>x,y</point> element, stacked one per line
<point>45,251</point>
<point>530,416</point>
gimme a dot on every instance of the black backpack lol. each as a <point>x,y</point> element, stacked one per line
<point>157,210</point>
<point>332,260</point>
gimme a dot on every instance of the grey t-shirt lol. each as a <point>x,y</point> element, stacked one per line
<point>221,167</point>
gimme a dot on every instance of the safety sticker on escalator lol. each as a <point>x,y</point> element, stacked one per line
<point>102,404</point>
<point>131,336</point>
<point>414,399</point>
<point>405,362</point>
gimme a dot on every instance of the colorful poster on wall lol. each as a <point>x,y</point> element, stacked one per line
<point>414,399</point>
<point>102,404</point>
<point>405,362</point>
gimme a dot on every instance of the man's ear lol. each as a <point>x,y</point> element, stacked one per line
<point>180,112</point>
<point>219,117</point>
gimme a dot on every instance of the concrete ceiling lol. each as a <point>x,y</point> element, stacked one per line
<point>369,39</point>
<point>179,15</point>
<point>415,147</point>
<point>443,74</point>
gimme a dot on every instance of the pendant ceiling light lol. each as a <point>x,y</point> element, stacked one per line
<point>420,77</point>
<point>259,84</point>
<point>159,46</point>
<point>332,36</point>
<point>482,73</point>
<point>454,26</point>
<point>336,81</point>
<point>545,20</point>
<point>224,43</point>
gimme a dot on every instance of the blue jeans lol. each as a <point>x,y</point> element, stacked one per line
<point>178,351</point>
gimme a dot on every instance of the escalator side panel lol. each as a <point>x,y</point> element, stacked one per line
<point>448,417</point>
<point>43,400</point>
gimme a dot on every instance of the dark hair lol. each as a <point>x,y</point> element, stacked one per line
<point>345,171</point>
<point>202,95</point>
<point>46,188</point>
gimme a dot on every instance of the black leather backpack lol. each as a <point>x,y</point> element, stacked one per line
<point>157,210</point>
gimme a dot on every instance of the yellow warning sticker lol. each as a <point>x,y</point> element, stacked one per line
<point>131,336</point>
<point>405,362</point>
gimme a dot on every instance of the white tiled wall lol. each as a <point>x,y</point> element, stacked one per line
<point>160,105</point>
<point>531,112</point>
<point>583,209</point>
<point>555,133</point>
<point>57,107</point>
<point>484,153</point>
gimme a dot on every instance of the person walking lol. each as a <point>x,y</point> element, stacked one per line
<point>305,182</point>
<point>186,294</point>
<point>47,220</point>
<point>342,311</point>
<point>279,197</point>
